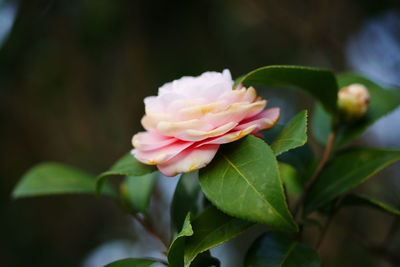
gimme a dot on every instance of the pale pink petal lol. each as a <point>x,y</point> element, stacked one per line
<point>239,95</point>
<point>151,120</point>
<point>228,137</point>
<point>235,112</point>
<point>195,135</point>
<point>189,160</point>
<point>160,155</point>
<point>190,117</point>
<point>169,128</point>
<point>198,111</point>
<point>264,120</point>
<point>151,140</point>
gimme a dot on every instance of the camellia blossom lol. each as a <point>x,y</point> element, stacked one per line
<point>191,117</point>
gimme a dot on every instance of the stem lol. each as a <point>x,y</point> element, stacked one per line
<point>323,232</point>
<point>322,163</point>
<point>150,229</point>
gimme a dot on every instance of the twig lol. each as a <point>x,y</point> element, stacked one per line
<point>322,163</point>
<point>150,229</point>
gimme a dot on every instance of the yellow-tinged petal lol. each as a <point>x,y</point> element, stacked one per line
<point>189,160</point>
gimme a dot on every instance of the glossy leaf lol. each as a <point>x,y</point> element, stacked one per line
<point>205,260</point>
<point>278,249</point>
<point>176,250</point>
<point>131,262</point>
<point>137,190</point>
<point>321,124</point>
<point>367,201</point>
<point>291,179</point>
<point>382,102</point>
<point>293,135</point>
<point>212,228</point>
<point>51,178</point>
<point>346,171</point>
<point>321,84</point>
<point>302,159</point>
<point>128,165</point>
<point>243,181</point>
<point>187,198</point>
<point>271,134</point>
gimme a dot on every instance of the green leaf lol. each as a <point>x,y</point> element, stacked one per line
<point>186,199</point>
<point>131,262</point>
<point>364,200</point>
<point>211,229</point>
<point>291,178</point>
<point>271,134</point>
<point>137,190</point>
<point>278,249</point>
<point>128,165</point>
<point>382,102</point>
<point>321,124</point>
<point>347,170</point>
<point>51,178</point>
<point>243,181</point>
<point>321,84</point>
<point>176,250</point>
<point>293,135</point>
<point>205,260</point>
<point>301,158</point>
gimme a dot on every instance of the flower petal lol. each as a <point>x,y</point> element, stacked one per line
<point>189,160</point>
<point>235,112</point>
<point>151,140</point>
<point>157,156</point>
<point>169,128</point>
<point>229,137</point>
<point>195,135</point>
<point>264,120</point>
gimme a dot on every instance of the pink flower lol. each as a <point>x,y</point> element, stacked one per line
<point>191,117</point>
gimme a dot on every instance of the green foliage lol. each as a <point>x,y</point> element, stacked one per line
<point>176,250</point>
<point>321,84</point>
<point>278,249</point>
<point>301,158</point>
<point>212,228</point>
<point>345,171</point>
<point>51,178</point>
<point>271,134</point>
<point>131,262</point>
<point>137,190</point>
<point>245,174</point>
<point>128,165</point>
<point>291,179</point>
<point>367,201</point>
<point>245,182</point>
<point>205,260</point>
<point>382,102</point>
<point>293,135</point>
<point>187,198</point>
<point>321,124</point>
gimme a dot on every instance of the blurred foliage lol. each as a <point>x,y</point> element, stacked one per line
<point>73,75</point>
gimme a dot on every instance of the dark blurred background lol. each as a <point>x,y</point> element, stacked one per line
<point>73,75</point>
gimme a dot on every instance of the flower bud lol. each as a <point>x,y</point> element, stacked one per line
<point>353,101</point>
